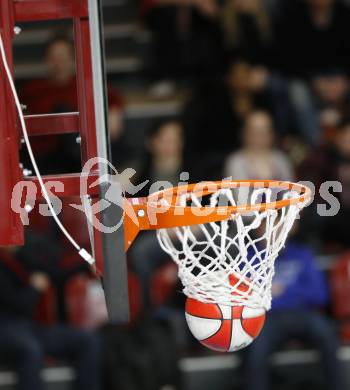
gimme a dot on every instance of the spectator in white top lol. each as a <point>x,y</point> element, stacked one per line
<point>258,158</point>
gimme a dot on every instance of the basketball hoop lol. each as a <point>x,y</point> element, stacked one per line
<point>225,236</point>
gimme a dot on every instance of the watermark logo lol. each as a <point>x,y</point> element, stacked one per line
<point>104,198</point>
<point>113,187</point>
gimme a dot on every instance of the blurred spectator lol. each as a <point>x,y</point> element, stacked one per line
<point>212,119</point>
<point>320,108</point>
<point>163,160</point>
<point>215,114</point>
<point>57,93</point>
<point>333,103</point>
<point>23,342</point>
<point>311,36</point>
<point>258,158</point>
<point>298,289</point>
<point>187,37</point>
<point>332,163</point>
<point>247,29</point>
<point>164,163</point>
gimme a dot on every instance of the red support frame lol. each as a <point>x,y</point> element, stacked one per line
<point>85,89</point>
<point>89,75</point>
<point>52,124</point>
<point>36,10</point>
<point>71,184</point>
<point>82,122</point>
<point>11,231</point>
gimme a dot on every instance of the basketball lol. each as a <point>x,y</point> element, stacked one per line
<point>223,328</point>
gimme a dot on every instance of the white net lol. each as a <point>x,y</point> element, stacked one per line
<point>231,262</point>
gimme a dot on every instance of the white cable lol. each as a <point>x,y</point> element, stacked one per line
<point>82,252</point>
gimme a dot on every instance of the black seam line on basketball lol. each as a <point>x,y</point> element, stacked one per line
<point>222,314</point>
<point>242,322</point>
<point>242,319</point>
<point>213,333</point>
<point>211,318</point>
<point>207,318</point>
<point>231,330</point>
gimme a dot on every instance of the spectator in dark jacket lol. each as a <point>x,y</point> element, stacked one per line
<point>187,41</point>
<point>311,36</point>
<point>298,290</point>
<point>214,116</point>
<point>24,343</point>
<point>320,106</point>
<point>331,163</point>
<point>247,29</point>
<point>163,160</point>
<point>162,166</point>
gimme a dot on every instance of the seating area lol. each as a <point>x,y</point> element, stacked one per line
<point>205,372</point>
<point>129,45</point>
<point>201,370</point>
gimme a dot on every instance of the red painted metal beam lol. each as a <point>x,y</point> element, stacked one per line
<point>86,108</point>
<point>69,184</point>
<point>11,229</point>
<point>52,124</point>
<point>85,89</point>
<point>36,10</point>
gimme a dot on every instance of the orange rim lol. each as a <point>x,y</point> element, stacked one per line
<point>207,188</point>
<point>152,214</point>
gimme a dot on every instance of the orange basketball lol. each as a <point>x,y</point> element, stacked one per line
<point>224,328</point>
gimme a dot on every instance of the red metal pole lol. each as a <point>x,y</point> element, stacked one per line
<point>11,229</point>
<point>85,91</point>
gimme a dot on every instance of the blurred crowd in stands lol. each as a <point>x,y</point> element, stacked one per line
<point>269,99</point>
